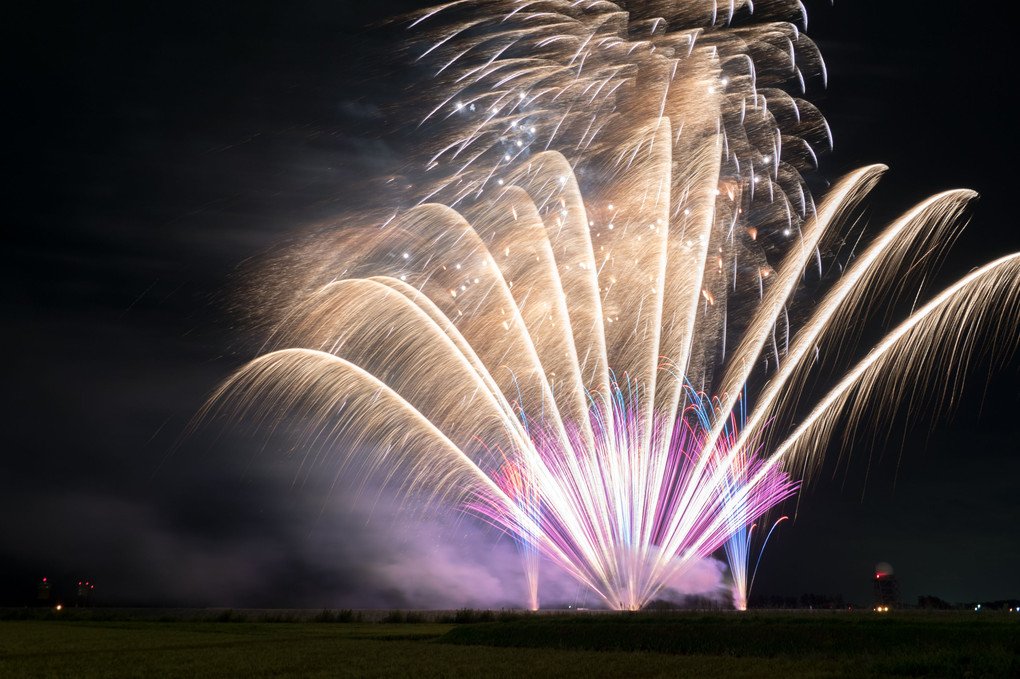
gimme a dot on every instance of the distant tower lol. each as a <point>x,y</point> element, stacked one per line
<point>44,590</point>
<point>84,597</point>
<point>887,587</point>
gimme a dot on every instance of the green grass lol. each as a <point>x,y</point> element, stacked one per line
<point>755,645</point>
<point>746,634</point>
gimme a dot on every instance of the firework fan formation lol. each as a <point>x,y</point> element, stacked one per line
<point>593,327</point>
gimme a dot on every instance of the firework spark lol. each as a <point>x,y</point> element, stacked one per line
<point>612,225</point>
<point>738,555</point>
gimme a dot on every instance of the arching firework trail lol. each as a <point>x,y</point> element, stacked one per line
<point>738,555</point>
<point>602,279</point>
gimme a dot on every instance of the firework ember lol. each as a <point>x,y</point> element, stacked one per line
<point>592,329</point>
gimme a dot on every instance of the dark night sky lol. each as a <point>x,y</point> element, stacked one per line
<point>151,150</point>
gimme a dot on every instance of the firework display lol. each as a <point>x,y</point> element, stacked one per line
<point>594,327</point>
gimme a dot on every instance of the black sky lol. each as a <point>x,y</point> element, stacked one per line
<point>152,150</point>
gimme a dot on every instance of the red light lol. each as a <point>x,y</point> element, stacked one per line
<point>44,579</point>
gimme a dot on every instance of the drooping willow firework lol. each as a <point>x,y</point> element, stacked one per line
<point>606,265</point>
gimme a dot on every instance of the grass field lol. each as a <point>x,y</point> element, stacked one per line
<point>675,645</point>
